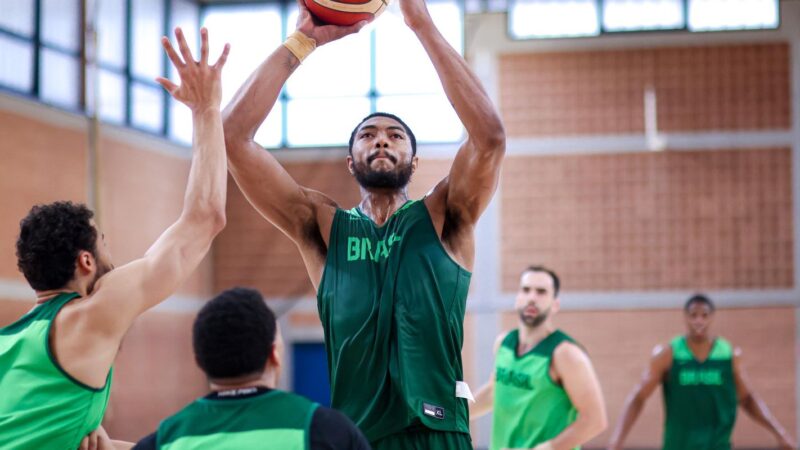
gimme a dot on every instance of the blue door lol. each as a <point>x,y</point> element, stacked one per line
<point>310,372</point>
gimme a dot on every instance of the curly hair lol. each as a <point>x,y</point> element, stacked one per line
<point>50,238</point>
<point>233,334</point>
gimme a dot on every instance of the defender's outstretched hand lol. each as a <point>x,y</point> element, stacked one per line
<point>200,86</point>
<point>322,33</point>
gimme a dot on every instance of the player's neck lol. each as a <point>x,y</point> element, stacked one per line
<point>380,204</point>
<point>530,337</point>
<point>267,379</point>
<point>72,286</point>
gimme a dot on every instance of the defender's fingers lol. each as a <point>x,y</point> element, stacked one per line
<point>223,57</point>
<point>203,46</point>
<point>173,56</point>
<point>183,46</point>
<point>167,84</point>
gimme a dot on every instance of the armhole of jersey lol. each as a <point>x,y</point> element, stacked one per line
<point>309,419</point>
<point>55,363</point>
<point>331,249</point>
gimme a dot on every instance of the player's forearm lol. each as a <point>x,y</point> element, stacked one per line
<point>122,445</point>
<point>464,90</point>
<point>632,409</point>
<point>206,190</point>
<point>758,411</point>
<point>484,401</point>
<point>253,101</point>
<point>587,426</point>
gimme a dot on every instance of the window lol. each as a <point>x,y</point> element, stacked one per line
<point>572,18</point>
<point>42,51</point>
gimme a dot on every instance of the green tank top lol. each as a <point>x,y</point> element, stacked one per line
<point>529,408</point>
<point>700,398</point>
<point>274,420</point>
<point>41,406</point>
<point>392,305</point>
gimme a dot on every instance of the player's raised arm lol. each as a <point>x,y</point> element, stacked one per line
<point>267,186</point>
<point>473,177</point>
<point>126,292</point>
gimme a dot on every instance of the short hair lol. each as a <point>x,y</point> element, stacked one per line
<point>699,298</point>
<point>556,280</point>
<point>410,133</point>
<point>50,238</point>
<point>233,334</point>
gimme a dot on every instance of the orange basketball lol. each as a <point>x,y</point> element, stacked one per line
<point>345,12</point>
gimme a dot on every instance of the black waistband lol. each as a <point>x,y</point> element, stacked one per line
<point>238,393</point>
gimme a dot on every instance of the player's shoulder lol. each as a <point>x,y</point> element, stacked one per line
<point>504,338</point>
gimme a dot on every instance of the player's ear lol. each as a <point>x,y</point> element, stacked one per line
<point>349,161</point>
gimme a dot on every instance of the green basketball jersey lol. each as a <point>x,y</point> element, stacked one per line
<point>700,398</point>
<point>41,406</point>
<point>392,304</point>
<point>274,420</point>
<point>529,408</point>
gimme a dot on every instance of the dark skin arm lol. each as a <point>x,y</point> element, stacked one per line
<point>457,201</point>
<point>652,377</point>
<point>304,215</point>
<point>755,407</point>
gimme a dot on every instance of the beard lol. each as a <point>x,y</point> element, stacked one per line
<point>533,322</point>
<point>378,179</point>
<point>102,269</point>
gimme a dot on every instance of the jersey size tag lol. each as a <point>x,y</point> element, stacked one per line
<point>437,412</point>
<point>463,391</point>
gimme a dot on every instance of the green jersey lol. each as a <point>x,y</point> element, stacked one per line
<point>274,420</point>
<point>529,408</point>
<point>41,406</point>
<point>700,398</point>
<point>392,305</point>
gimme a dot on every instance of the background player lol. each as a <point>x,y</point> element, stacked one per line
<point>544,391</point>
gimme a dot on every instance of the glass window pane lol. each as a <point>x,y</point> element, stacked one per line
<point>61,23</point>
<point>147,107</point>
<point>270,134</point>
<point>401,64</point>
<point>625,15</point>
<point>340,69</point>
<point>325,121</point>
<point>253,31</point>
<point>111,96</point>
<point>186,14</point>
<point>553,18</point>
<point>60,79</point>
<point>180,122</point>
<point>111,32</point>
<point>430,117</point>
<point>16,63</point>
<point>148,27</point>
<point>707,15</point>
<point>17,16</point>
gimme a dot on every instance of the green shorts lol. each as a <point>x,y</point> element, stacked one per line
<point>424,440</point>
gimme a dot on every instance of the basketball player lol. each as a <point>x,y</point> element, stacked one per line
<point>391,274</point>
<point>703,382</point>
<point>238,346</point>
<point>544,391</point>
<point>55,362</point>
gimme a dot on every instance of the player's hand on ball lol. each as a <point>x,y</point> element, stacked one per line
<point>200,86</point>
<point>415,13</point>
<point>321,33</point>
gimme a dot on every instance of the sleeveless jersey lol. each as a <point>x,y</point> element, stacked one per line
<point>41,406</point>
<point>392,306</point>
<point>529,408</point>
<point>700,398</point>
<point>274,420</point>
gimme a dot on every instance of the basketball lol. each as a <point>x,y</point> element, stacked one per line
<point>345,12</point>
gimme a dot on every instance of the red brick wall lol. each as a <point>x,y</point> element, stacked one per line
<point>651,221</point>
<point>731,87</point>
